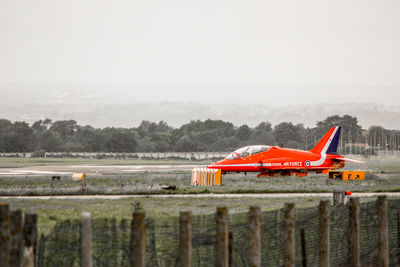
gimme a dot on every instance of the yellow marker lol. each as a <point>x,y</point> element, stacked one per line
<point>218,177</point>
<point>78,176</point>
<point>353,175</point>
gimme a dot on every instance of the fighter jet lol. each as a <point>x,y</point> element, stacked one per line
<point>271,161</point>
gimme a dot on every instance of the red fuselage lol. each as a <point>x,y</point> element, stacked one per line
<point>277,159</point>
<point>272,160</point>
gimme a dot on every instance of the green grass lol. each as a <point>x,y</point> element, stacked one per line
<point>160,208</point>
<point>384,176</point>
<point>150,183</point>
<point>52,211</point>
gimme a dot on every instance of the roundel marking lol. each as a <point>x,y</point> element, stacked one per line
<point>307,163</point>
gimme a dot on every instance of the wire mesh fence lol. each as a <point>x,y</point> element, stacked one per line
<point>112,239</point>
<point>369,234</point>
<point>272,238</point>
<point>307,220</point>
<point>394,232</point>
<point>339,235</point>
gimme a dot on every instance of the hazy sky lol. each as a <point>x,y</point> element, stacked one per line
<point>314,45</point>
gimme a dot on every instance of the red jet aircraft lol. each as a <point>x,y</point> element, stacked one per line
<point>276,161</point>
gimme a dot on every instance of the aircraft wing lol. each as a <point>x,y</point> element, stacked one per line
<point>337,157</point>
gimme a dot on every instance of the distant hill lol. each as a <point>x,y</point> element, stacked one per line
<point>125,108</point>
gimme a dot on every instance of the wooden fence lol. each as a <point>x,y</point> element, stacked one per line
<point>18,241</point>
<point>17,238</point>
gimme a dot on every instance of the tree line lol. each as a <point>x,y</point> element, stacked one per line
<point>194,136</point>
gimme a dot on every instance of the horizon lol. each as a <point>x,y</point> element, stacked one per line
<point>289,112</point>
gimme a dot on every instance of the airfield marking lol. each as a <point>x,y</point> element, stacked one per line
<point>89,169</point>
<point>134,166</point>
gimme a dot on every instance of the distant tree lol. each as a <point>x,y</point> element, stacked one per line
<point>118,140</point>
<point>50,141</point>
<point>6,136</point>
<point>226,144</point>
<point>66,129</point>
<point>185,144</point>
<point>204,136</point>
<point>243,133</point>
<point>41,125</point>
<point>263,127</point>
<point>145,127</point>
<point>145,144</point>
<point>288,135</point>
<point>192,126</point>
<point>262,134</point>
<point>161,141</point>
<point>176,136</point>
<point>162,126</point>
<point>23,139</point>
<point>154,136</point>
<point>223,129</point>
<point>351,131</point>
<point>208,135</point>
<point>86,138</point>
<point>205,139</point>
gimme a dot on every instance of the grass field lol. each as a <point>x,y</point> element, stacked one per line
<point>51,211</point>
<point>26,162</point>
<point>55,210</point>
<point>384,176</point>
<point>151,182</point>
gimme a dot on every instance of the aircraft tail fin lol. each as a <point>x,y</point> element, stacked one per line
<point>329,143</point>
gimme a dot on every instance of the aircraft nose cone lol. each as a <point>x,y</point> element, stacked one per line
<point>216,165</point>
<point>211,166</point>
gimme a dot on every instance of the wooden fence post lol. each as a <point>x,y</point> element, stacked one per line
<point>255,236</point>
<point>185,239</point>
<point>383,231</point>
<point>139,239</point>
<point>4,235</point>
<point>86,240</point>
<point>41,249</point>
<point>30,236</point>
<point>16,239</point>
<point>230,248</point>
<point>354,235</point>
<point>398,239</point>
<point>222,237</point>
<point>290,219</point>
<point>324,233</point>
<point>303,248</point>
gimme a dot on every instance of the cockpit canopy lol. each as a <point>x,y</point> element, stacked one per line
<point>247,151</point>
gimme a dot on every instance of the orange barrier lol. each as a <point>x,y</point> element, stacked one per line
<point>206,177</point>
<point>78,176</point>
<point>347,175</point>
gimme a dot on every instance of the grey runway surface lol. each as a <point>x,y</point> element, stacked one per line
<point>278,195</point>
<point>92,169</point>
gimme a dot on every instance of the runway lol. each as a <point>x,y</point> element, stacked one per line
<point>277,195</point>
<point>91,169</point>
